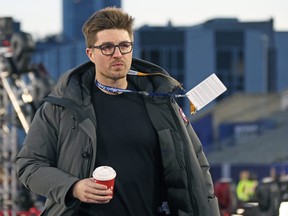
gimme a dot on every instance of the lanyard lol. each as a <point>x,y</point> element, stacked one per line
<point>144,93</point>
<point>120,90</point>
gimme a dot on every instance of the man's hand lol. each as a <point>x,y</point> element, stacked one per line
<point>88,191</point>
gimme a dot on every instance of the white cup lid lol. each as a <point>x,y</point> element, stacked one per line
<point>104,173</point>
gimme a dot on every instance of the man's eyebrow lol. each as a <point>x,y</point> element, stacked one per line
<point>109,42</point>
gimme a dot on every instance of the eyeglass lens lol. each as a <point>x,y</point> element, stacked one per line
<point>109,49</point>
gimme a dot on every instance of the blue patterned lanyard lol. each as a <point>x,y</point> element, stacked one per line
<point>144,93</point>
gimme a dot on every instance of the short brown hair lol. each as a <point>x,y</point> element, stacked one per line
<point>107,18</point>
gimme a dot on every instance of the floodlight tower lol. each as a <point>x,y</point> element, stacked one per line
<point>8,143</point>
<point>22,87</point>
<point>20,84</point>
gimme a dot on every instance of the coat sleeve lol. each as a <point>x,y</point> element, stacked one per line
<point>205,168</point>
<point>198,161</point>
<point>37,160</point>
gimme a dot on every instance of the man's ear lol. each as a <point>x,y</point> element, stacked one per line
<point>89,53</point>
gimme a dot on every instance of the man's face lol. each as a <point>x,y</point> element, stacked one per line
<point>113,67</point>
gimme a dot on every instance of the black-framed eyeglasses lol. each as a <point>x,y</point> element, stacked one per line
<point>108,49</point>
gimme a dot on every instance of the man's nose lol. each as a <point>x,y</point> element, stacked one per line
<point>117,52</point>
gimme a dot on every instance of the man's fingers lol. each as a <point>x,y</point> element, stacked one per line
<point>88,191</point>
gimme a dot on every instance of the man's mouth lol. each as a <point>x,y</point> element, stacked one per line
<point>117,64</point>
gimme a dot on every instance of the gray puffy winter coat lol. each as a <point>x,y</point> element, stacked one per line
<point>60,147</point>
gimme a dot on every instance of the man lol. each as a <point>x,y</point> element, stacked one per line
<point>268,196</point>
<point>98,114</point>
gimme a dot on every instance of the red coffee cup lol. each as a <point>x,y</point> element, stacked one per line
<point>105,175</point>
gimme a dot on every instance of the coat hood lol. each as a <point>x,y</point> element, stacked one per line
<point>76,83</point>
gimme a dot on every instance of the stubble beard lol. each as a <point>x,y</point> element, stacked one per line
<point>115,74</point>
